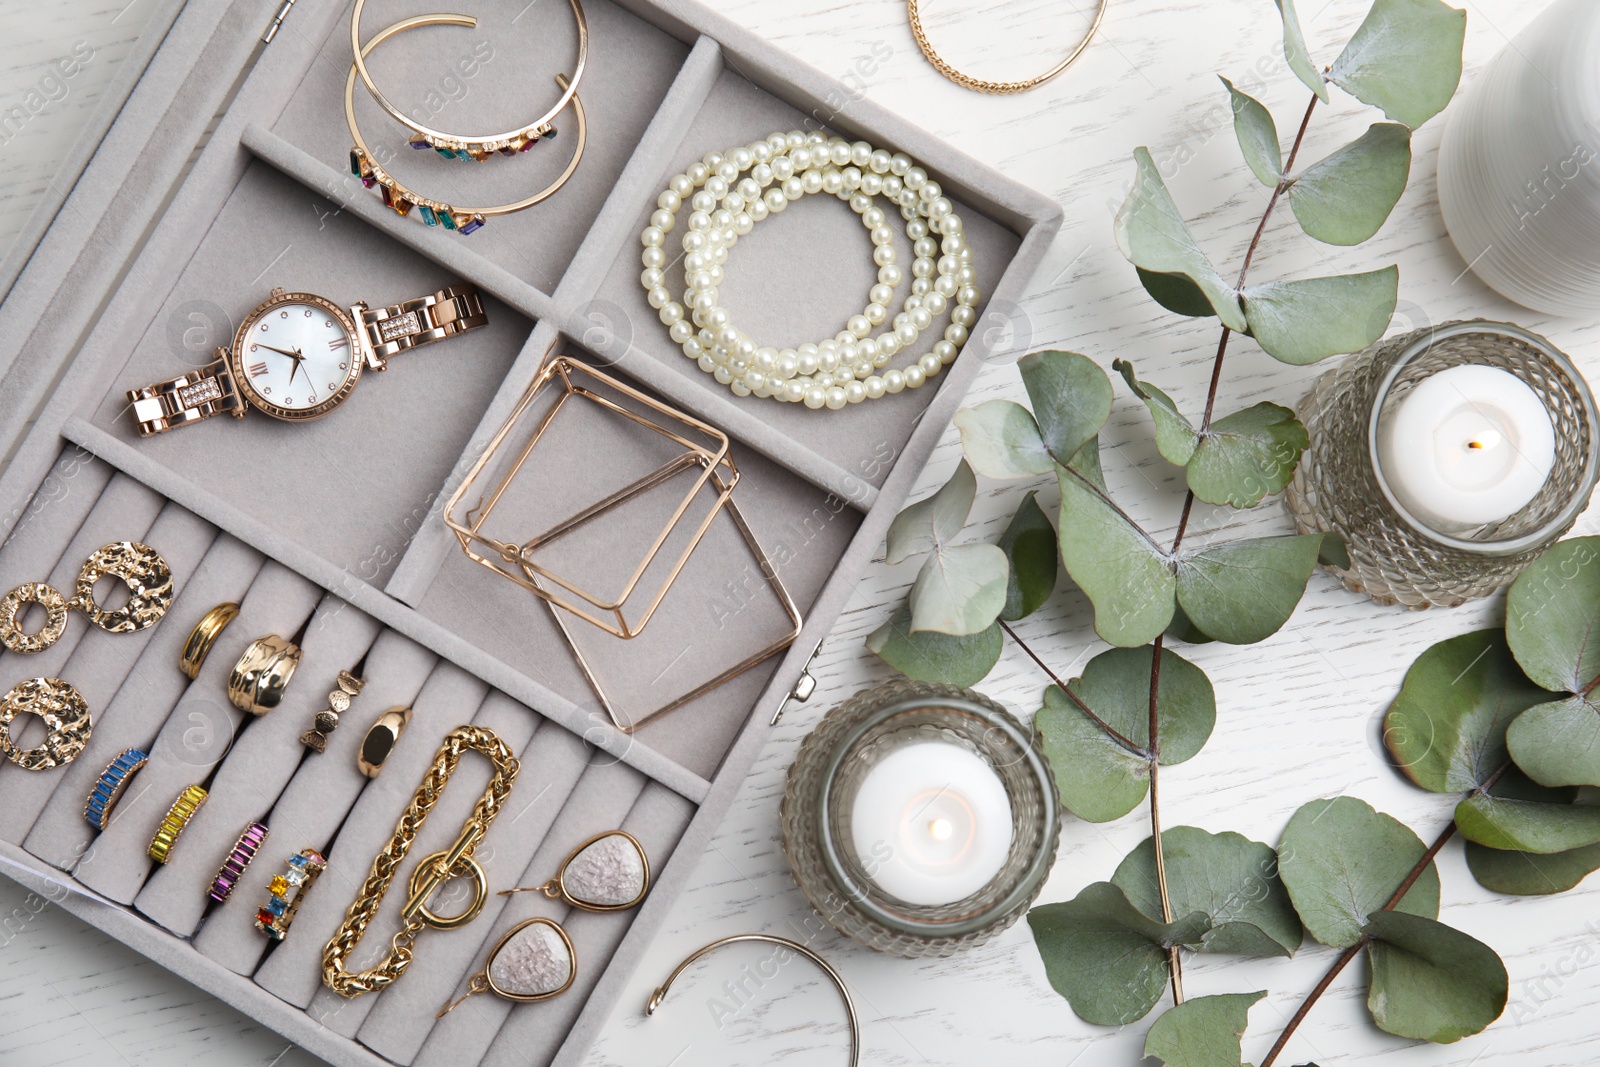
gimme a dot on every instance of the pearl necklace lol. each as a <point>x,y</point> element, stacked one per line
<point>729,192</point>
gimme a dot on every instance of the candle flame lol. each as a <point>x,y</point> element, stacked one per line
<point>940,829</point>
<point>1486,440</point>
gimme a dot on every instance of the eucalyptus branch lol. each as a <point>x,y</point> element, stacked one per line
<point>1111,731</point>
<point>1393,902</point>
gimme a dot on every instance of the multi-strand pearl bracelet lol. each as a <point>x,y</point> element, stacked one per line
<point>729,192</point>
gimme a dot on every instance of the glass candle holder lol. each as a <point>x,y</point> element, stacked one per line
<point>1345,485</point>
<point>828,775</point>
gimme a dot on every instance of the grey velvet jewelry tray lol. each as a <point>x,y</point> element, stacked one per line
<point>332,530</point>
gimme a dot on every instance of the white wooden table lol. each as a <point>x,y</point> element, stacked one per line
<point>1297,715</point>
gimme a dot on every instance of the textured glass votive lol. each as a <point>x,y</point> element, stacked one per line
<point>823,783</point>
<point>1341,485</point>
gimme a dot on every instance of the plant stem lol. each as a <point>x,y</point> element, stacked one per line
<point>1111,731</point>
<point>1394,901</point>
<point>1177,542</point>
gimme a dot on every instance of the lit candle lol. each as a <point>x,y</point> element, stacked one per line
<point>1467,447</point>
<point>931,823</point>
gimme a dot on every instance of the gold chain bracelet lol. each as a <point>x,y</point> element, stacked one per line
<point>966,81</point>
<point>431,872</point>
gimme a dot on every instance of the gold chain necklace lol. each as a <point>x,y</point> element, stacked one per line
<point>430,872</point>
<point>979,85</point>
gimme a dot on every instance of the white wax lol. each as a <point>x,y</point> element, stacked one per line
<point>931,823</point>
<point>1467,447</point>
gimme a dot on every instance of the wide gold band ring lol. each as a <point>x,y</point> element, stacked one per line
<point>263,673</point>
<point>381,738</point>
<point>203,636</point>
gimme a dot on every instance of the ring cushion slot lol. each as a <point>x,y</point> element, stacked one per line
<point>330,532</point>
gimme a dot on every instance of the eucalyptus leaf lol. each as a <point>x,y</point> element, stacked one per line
<point>1247,456</point>
<point>1558,743</point>
<point>1184,630</point>
<point>1202,1032</point>
<point>1346,198</point>
<point>1071,399</point>
<point>1334,552</point>
<point>1301,322</point>
<point>1447,727</point>
<point>1227,878</point>
<point>1341,861</point>
<point>960,590</point>
<point>1242,592</point>
<point>935,521</point>
<point>1029,544</point>
<point>1176,437</point>
<point>1086,464</point>
<point>934,657</point>
<point>1553,616</point>
<point>1431,981</point>
<point>1099,778</point>
<point>1177,293</point>
<point>1001,440</point>
<point>1527,826</point>
<point>1296,53</point>
<point>1405,58</point>
<point>1258,136</point>
<point>1105,956</point>
<point>1125,575</point>
<point>1529,873</point>
<point>1153,236</point>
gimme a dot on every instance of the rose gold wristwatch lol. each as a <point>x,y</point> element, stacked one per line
<point>297,356</point>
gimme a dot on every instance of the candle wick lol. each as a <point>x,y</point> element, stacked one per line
<point>1489,439</point>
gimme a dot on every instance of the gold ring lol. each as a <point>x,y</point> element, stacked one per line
<point>262,674</point>
<point>176,819</point>
<point>63,710</point>
<point>381,738</point>
<point>13,636</point>
<point>203,636</point>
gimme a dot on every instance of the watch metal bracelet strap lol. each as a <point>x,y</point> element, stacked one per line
<point>398,327</point>
<point>197,395</point>
<point>190,397</point>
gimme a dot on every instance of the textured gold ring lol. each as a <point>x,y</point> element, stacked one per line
<point>13,636</point>
<point>203,636</point>
<point>176,819</point>
<point>381,738</point>
<point>979,85</point>
<point>64,712</point>
<point>258,680</point>
<point>145,573</point>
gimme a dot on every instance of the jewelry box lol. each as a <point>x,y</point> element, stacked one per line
<point>333,530</point>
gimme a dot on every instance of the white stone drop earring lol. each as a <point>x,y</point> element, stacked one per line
<point>608,872</point>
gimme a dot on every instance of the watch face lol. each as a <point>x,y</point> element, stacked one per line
<point>295,357</point>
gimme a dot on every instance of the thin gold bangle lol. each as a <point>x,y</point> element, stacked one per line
<point>399,196</point>
<point>471,142</point>
<point>996,88</point>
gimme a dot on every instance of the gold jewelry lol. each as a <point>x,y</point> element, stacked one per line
<point>436,212</point>
<point>475,146</point>
<point>142,570</point>
<point>327,720</point>
<point>203,636</point>
<point>176,819</point>
<point>63,710</point>
<point>258,680</point>
<point>608,872</point>
<point>996,88</point>
<point>534,961</point>
<point>110,786</point>
<point>381,738</point>
<point>305,867</point>
<point>431,871</point>
<point>140,567</point>
<point>784,944</point>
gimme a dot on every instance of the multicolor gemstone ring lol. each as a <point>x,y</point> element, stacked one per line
<point>233,868</point>
<point>287,891</point>
<point>397,195</point>
<point>472,146</point>
<point>110,786</point>
<point>176,819</point>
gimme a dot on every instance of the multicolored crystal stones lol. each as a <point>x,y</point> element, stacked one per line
<point>110,786</point>
<point>463,151</point>
<point>304,868</point>
<point>432,212</point>
<point>233,867</point>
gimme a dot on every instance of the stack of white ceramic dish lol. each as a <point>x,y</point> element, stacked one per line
<point>1519,169</point>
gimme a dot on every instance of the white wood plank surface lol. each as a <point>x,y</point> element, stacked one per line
<point>1297,715</point>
